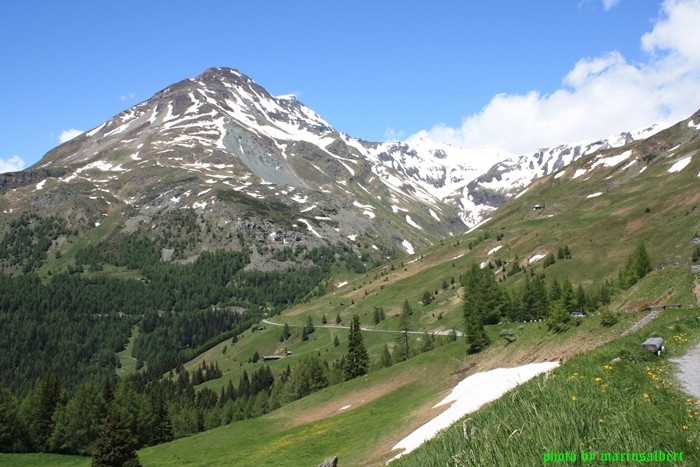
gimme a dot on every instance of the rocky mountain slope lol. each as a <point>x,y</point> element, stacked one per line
<point>274,171</point>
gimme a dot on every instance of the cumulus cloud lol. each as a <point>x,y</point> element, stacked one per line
<point>67,135</point>
<point>599,96</point>
<point>11,164</point>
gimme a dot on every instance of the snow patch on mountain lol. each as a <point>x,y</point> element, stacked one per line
<point>412,223</point>
<point>680,165</point>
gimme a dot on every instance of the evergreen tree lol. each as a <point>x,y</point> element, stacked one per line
<point>310,325</point>
<point>356,359</point>
<point>385,359</point>
<point>285,333</point>
<point>76,425</point>
<point>41,425</point>
<point>10,429</point>
<point>637,266</point>
<point>483,298</point>
<point>427,297</point>
<point>336,341</point>
<point>115,445</point>
<point>403,351</point>
<point>338,320</point>
<point>161,424</point>
<point>559,319</point>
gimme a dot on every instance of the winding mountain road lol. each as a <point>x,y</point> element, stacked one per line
<point>445,332</point>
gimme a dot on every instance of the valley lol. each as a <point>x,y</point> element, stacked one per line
<point>198,261</point>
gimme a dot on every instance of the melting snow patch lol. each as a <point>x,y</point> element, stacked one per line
<point>521,193</point>
<point>535,258</point>
<point>40,185</point>
<point>458,256</point>
<point>352,237</point>
<point>579,172</point>
<point>412,223</point>
<point>364,206</point>
<point>559,174</point>
<point>341,284</point>
<point>300,199</point>
<point>198,204</point>
<point>203,192</point>
<point>693,125</point>
<point>369,214</point>
<point>308,209</point>
<point>408,247</point>
<point>680,165</point>
<point>345,407</point>
<point>612,161</point>
<point>594,195</point>
<point>483,264</point>
<point>494,249</point>
<point>435,216</point>
<point>468,396</point>
<point>308,226</point>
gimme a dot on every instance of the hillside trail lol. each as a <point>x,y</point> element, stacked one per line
<point>689,364</point>
<point>688,371</point>
<point>445,332</point>
<point>641,323</point>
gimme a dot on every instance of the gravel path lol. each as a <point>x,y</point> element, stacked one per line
<point>445,332</point>
<point>689,371</point>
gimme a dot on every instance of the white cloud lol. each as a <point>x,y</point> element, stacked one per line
<point>609,4</point>
<point>600,96</point>
<point>12,164</point>
<point>67,135</point>
<point>127,97</point>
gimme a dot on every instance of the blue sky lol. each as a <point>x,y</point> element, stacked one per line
<point>513,74</point>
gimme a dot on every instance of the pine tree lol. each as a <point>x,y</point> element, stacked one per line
<point>385,359</point>
<point>637,266</point>
<point>483,300</point>
<point>310,328</point>
<point>356,359</point>
<point>404,327</point>
<point>161,424</point>
<point>115,446</point>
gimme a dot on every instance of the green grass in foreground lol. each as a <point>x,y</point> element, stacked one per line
<point>590,403</point>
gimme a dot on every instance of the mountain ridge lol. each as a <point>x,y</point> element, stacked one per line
<point>221,131</point>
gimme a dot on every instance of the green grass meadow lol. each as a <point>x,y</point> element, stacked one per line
<point>617,398</point>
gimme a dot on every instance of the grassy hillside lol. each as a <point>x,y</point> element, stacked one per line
<point>600,213</point>
<point>615,399</point>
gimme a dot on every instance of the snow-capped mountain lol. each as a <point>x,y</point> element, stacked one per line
<point>221,145</point>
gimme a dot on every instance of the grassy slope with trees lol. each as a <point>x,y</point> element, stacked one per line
<point>597,238</point>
